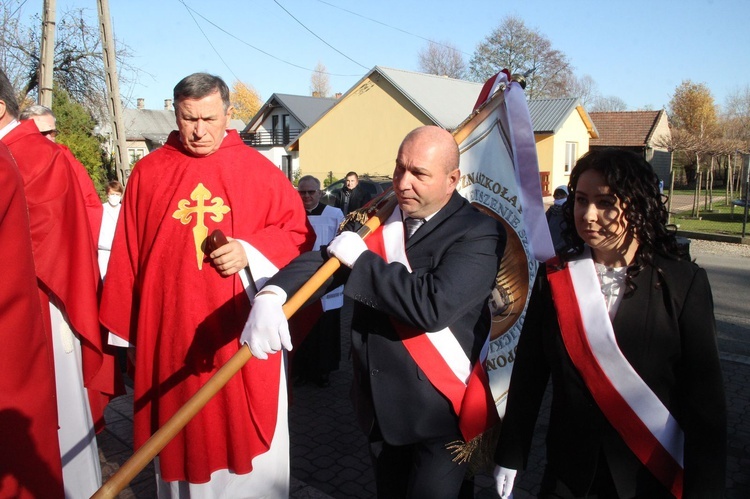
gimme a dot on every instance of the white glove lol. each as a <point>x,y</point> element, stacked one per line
<point>267,330</point>
<point>504,479</point>
<point>347,247</point>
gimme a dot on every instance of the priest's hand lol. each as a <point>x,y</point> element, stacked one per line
<point>230,258</point>
<point>267,330</point>
<point>504,479</point>
<point>347,247</point>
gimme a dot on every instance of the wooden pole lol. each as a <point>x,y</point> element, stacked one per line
<point>47,58</point>
<point>177,422</point>
<point>114,106</point>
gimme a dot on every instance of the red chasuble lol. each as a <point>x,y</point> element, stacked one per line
<point>30,461</point>
<point>91,198</point>
<point>65,255</point>
<point>162,295</point>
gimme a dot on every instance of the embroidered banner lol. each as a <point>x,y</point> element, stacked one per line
<point>500,176</point>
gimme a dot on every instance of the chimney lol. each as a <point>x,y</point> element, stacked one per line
<point>140,103</point>
<point>337,95</point>
<point>167,104</point>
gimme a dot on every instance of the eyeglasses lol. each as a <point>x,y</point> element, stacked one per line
<point>52,132</point>
<point>306,193</point>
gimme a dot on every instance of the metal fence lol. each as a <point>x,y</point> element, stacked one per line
<point>710,202</point>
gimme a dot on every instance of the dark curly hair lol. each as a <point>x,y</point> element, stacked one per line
<point>634,183</point>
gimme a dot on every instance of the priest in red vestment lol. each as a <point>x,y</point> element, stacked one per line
<point>30,463</point>
<point>47,124</point>
<point>67,275</point>
<point>182,307</point>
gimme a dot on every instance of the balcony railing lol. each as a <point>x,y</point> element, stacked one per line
<point>278,138</point>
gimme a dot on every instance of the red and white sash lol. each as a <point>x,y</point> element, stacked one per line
<point>438,354</point>
<point>632,408</point>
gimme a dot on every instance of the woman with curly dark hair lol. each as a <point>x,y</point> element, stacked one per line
<point>625,327</point>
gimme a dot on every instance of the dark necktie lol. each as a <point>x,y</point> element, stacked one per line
<point>412,224</point>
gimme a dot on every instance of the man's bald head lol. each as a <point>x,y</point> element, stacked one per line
<point>443,143</point>
<point>426,172</point>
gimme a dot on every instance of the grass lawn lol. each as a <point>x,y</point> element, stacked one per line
<point>719,220</point>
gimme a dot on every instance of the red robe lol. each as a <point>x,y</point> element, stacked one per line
<point>65,255</point>
<point>185,321</point>
<point>91,198</point>
<point>30,463</point>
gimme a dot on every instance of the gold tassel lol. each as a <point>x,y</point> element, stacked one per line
<point>363,214</point>
<point>479,452</point>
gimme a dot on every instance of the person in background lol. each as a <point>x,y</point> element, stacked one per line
<point>555,219</point>
<point>181,304</point>
<point>47,124</point>
<point>429,268</point>
<point>68,281</point>
<point>625,327</point>
<point>316,328</point>
<point>30,461</point>
<point>352,196</point>
<point>111,212</point>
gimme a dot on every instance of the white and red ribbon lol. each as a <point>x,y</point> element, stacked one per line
<point>438,353</point>
<point>628,403</point>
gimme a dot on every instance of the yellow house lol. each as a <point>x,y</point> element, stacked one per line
<point>562,129</point>
<point>363,130</point>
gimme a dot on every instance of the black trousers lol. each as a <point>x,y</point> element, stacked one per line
<point>423,470</point>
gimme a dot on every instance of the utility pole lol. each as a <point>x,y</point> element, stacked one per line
<point>47,61</point>
<point>114,105</point>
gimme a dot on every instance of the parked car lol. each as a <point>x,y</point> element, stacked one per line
<point>372,185</point>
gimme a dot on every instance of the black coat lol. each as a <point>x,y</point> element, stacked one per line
<point>358,197</point>
<point>666,331</point>
<point>454,258</point>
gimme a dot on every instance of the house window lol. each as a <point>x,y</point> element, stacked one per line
<point>571,155</point>
<point>275,136</point>
<point>285,125</point>
<point>136,153</point>
<point>286,166</point>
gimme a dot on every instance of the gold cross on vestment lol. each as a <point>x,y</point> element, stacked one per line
<point>185,214</point>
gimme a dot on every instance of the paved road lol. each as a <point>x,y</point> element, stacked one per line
<point>730,283</point>
<point>329,456</point>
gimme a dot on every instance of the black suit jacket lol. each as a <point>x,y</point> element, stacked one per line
<point>666,331</point>
<point>358,197</point>
<point>454,258</point>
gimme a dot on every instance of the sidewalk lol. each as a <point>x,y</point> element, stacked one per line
<point>329,454</point>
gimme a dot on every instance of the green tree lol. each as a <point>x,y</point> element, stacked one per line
<point>515,47</point>
<point>75,127</point>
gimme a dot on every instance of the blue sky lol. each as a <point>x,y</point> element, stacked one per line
<point>639,51</point>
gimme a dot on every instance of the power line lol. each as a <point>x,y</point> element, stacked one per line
<point>316,36</point>
<point>17,9</point>
<point>392,27</point>
<point>208,40</point>
<point>256,48</point>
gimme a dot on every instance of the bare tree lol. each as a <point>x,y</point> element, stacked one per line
<point>319,82</point>
<point>585,89</point>
<point>519,49</point>
<point>78,64</point>
<point>442,59</point>
<point>735,121</point>
<point>610,104</point>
